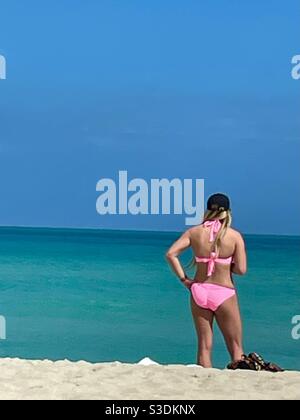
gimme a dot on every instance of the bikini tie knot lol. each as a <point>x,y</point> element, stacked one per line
<point>211,263</point>
<point>215,226</point>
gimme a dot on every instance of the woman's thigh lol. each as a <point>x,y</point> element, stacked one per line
<point>228,317</point>
<point>203,320</point>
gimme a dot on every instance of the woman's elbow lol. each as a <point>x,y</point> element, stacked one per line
<point>239,268</point>
<point>241,271</point>
<point>168,255</point>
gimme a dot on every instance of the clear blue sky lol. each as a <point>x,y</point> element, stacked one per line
<point>161,88</point>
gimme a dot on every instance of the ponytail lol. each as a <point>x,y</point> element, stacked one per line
<point>225,217</point>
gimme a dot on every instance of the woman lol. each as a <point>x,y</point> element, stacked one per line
<point>219,251</point>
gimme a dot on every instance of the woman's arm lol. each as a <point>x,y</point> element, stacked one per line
<point>239,265</point>
<point>172,256</point>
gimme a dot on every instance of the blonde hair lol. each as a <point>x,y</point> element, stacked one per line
<point>225,217</point>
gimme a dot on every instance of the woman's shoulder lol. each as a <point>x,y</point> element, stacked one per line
<point>194,230</point>
<point>235,233</point>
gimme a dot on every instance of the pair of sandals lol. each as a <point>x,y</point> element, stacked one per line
<point>254,362</point>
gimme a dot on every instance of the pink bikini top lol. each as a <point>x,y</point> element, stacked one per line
<point>215,226</point>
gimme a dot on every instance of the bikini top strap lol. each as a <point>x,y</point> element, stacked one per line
<point>215,226</point>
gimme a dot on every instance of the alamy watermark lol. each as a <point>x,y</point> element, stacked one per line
<point>2,67</point>
<point>157,197</point>
<point>296,68</point>
<point>296,328</point>
<point>2,328</point>
<point>296,318</point>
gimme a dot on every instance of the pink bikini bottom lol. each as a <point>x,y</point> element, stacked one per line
<point>211,296</point>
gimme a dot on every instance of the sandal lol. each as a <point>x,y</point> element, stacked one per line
<point>254,362</point>
<point>267,366</point>
<point>244,363</point>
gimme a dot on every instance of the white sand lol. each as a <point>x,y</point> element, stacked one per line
<point>68,381</point>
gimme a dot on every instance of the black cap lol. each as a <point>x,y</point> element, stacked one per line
<point>218,201</point>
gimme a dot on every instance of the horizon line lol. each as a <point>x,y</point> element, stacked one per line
<point>24,227</point>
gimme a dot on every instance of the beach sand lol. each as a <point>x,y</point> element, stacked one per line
<point>45,380</point>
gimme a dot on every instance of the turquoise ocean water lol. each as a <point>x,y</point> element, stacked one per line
<point>109,295</point>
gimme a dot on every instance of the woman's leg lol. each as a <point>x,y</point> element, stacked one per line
<point>203,320</point>
<point>229,320</point>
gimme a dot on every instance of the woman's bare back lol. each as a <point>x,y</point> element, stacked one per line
<point>202,247</point>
